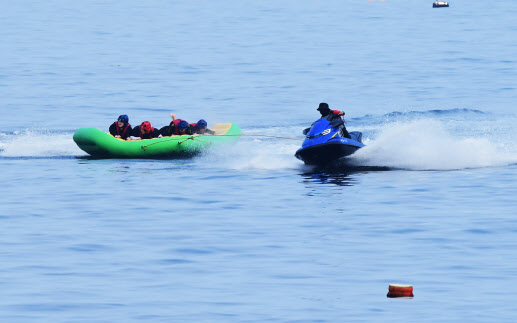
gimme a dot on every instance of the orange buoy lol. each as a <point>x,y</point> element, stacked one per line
<point>396,290</point>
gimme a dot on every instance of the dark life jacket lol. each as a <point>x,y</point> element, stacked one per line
<point>172,129</point>
<point>154,133</point>
<point>115,130</point>
<point>196,130</point>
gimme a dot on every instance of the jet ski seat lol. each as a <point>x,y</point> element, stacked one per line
<point>357,136</point>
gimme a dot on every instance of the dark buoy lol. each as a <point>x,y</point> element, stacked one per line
<point>396,290</point>
<point>440,4</point>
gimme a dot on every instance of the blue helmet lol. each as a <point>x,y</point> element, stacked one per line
<point>123,118</point>
<point>201,124</point>
<point>182,125</point>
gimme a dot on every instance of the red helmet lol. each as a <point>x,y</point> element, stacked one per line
<point>146,125</point>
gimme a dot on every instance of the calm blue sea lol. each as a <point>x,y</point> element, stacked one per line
<point>248,233</point>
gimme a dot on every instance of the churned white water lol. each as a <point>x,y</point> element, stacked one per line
<point>427,145</point>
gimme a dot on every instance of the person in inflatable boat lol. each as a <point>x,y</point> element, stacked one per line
<point>183,128</point>
<point>325,112</point>
<point>200,127</point>
<point>121,128</point>
<point>145,131</point>
<point>177,127</point>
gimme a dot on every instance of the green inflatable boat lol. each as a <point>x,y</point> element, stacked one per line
<point>103,145</point>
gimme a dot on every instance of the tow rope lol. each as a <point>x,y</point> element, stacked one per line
<point>267,136</point>
<point>197,138</point>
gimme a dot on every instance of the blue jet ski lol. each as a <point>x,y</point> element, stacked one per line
<point>326,142</point>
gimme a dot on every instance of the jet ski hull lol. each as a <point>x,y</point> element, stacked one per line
<point>325,153</point>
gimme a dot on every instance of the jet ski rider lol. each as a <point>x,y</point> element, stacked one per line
<point>325,111</point>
